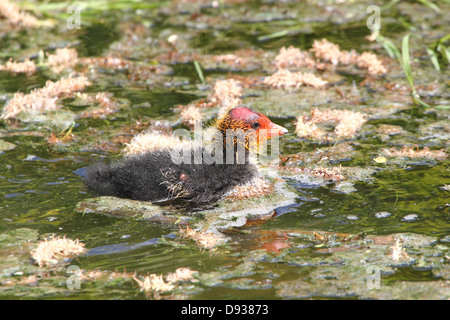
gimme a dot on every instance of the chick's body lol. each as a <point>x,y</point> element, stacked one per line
<point>154,177</point>
<point>162,176</point>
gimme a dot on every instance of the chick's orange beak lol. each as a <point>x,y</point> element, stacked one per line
<point>275,130</point>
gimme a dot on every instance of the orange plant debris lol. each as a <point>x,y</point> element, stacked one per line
<point>154,283</point>
<point>285,79</point>
<point>293,57</point>
<point>63,58</point>
<point>191,115</point>
<point>15,16</point>
<point>206,240</point>
<point>257,187</point>
<point>416,153</point>
<point>106,106</point>
<point>348,123</point>
<point>28,66</point>
<point>44,99</point>
<point>50,252</point>
<point>330,52</point>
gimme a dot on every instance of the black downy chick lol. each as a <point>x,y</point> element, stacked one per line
<point>158,177</point>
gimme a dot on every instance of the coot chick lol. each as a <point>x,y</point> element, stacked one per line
<point>178,175</point>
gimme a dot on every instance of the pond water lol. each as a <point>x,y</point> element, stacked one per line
<point>319,246</point>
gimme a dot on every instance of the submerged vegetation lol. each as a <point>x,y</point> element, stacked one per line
<point>360,187</point>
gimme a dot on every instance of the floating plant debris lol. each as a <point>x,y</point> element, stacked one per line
<point>106,106</point>
<point>255,188</point>
<point>62,138</point>
<point>348,123</point>
<point>205,240</point>
<point>226,94</point>
<point>106,62</point>
<point>50,252</point>
<point>28,66</point>
<point>191,115</point>
<point>62,59</point>
<point>17,17</point>
<point>331,52</point>
<point>228,58</point>
<point>225,90</point>
<point>44,99</point>
<point>181,274</point>
<point>293,58</point>
<point>369,61</point>
<point>414,152</point>
<point>397,252</point>
<point>285,79</point>
<point>362,167</point>
<point>333,173</point>
<point>153,283</point>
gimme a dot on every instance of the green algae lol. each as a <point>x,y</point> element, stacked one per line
<point>41,195</point>
<point>225,215</point>
<point>5,146</point>
<point>17,237</point>
<point>369,272</point>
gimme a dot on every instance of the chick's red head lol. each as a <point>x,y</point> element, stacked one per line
<point>247,119</point>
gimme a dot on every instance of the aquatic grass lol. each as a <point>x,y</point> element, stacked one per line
<point>435,51</point>
<point>439,51</point>
<point>97,5</point>
<point>292,30</point>
<point>278,34</point>
<point>198,68</point>
<point>90,10</point>
<point>389,46</point>
<point>406,65</point>
<point>404,59</point>
<point>66,134</point>
<point>433,6</point>
<point>434,59</point>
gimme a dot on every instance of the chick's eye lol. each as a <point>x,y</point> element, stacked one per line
<point>255,125</point>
